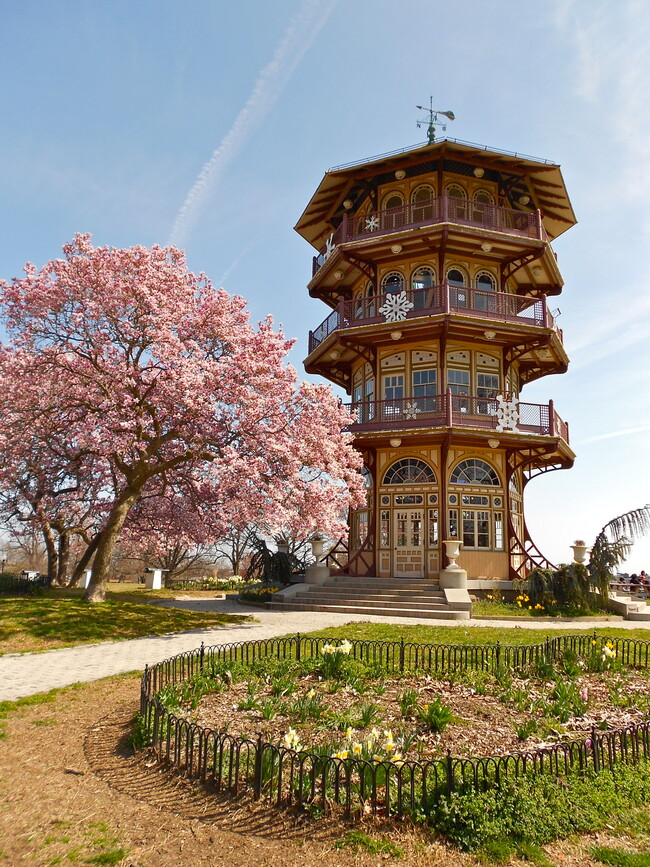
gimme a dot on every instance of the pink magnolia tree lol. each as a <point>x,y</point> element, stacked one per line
<point>160,380</point>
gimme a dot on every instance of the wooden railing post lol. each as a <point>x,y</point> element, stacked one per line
<point>448,409</point>
<point>444,210</point>
<point>551,419</point>
<point>540,226</point>
<point>344,227</point>
<point>445,296</point>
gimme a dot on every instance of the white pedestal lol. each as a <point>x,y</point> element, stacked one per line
<point>153,579</point>
<point>317,574</point>
<point>453,578</point>
<point>85,578</point>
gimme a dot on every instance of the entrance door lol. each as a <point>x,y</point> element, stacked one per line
<point>409,543</point>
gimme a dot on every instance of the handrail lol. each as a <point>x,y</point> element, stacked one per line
<point>440,209</point>
<point>435,300</point>
<point>455,410</point>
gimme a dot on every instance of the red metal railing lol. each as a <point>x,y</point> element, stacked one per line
<point>443,209</point>
<point>454,410</point>
<point>464,300</point>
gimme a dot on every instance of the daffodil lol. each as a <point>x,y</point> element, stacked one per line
<point>357,749</point>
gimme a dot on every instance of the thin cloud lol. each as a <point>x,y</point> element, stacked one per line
<point>296,42</point>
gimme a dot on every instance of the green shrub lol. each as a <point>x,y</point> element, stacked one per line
<point>540,809</point>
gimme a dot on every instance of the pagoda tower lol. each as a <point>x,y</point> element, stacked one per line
<point>437,266</point>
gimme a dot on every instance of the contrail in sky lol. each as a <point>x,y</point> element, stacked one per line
<point>296,42</point>
<point>616,433</point>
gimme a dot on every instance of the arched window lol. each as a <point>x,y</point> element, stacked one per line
<point>483,197</point>
<point>486,284</point>
<point>422,281</point>
<point>474,471</point>
<point>457,202</point>
<point>409,471</point>
<point>422,203</point>
<point>370,302</point>
<point>457,296</point>
<point>393,211</point>
<point>393,282</point>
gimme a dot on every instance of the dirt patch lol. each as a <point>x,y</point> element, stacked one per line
<point>72,790</point>
<point>487,720</point>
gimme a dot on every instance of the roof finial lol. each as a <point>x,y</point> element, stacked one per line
<point>433,121</point>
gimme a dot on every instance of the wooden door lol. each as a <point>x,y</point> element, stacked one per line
<point>409,543</point>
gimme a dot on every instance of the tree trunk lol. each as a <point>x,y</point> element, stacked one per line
<point>96,591</point>
<point>52,554</point>
<point>84,561</point>
<point>64,559</point>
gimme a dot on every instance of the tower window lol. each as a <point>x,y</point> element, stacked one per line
<point>409,471</point>
<point>474,471</point>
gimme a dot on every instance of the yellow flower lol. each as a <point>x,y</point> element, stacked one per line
<point>357,749</point>
<point>311,693</point>
<point>377,759</point>
<point>518,603</point>
<point>348,733</point>
<point>389,746</point>
<point>489,596</point>
<point>530,607</point>
<point>398,760</point>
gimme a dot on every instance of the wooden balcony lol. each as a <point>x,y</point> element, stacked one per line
<point>454,411</point>
<point>436,300</point>
<point>442,209</point>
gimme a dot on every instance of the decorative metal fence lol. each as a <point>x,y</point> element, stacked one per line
<point>19,584</point>
<point>286,777</point>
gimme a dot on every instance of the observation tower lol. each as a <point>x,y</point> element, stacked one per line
<point>437,268</point>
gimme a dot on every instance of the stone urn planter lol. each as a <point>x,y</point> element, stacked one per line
<point>452,549</point>
<point>580,551</point>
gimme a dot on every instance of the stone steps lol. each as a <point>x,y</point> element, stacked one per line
<point>378,596</point>
<point>340,607</point>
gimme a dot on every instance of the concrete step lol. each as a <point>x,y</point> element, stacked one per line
<point>642,614</point>
<point>382,583</point>
<point>392,611</point>
<point>395,596</point>
<point>316,599</point>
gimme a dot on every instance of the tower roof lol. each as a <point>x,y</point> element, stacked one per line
<point>522,176</point>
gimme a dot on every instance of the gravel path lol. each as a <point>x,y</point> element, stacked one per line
<point>23,674</point>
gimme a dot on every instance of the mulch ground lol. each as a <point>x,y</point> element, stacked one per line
<point>72,791</point>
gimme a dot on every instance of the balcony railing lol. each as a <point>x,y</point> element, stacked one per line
<point>453,411</point>
<point>443,209</point>
<point>495,306</point>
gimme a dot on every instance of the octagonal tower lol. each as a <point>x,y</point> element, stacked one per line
<point>437,265</point>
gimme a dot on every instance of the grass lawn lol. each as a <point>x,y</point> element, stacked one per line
<point>61,618</point>
<point>458,635</point>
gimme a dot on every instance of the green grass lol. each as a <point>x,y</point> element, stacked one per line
<point>62,618</point>
<point>461,635</point>
<point>358,841</point>
<point>619,858</point>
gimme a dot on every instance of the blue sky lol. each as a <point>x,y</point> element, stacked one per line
<point>211,123</point>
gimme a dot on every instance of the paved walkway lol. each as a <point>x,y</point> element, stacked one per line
<point>23,674</point>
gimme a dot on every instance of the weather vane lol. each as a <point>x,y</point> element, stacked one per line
<point>433,121</point>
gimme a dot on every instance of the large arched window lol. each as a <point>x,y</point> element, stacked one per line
<point>477,518</point>
<point>422,281</point>
<point>409,471</point>
<point>474,471</point>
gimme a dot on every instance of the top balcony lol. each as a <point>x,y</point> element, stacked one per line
<point>437,300</point>
<point>442,209</point>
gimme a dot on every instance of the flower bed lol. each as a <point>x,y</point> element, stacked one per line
<point>391,728</point>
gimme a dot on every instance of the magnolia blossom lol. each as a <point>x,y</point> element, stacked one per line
<point>155,394</point>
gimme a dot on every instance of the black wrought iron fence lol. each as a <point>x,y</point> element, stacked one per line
<point>288,777</point>
<point>21,584</point>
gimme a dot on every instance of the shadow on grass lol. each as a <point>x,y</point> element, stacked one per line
<point>64,619</point>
